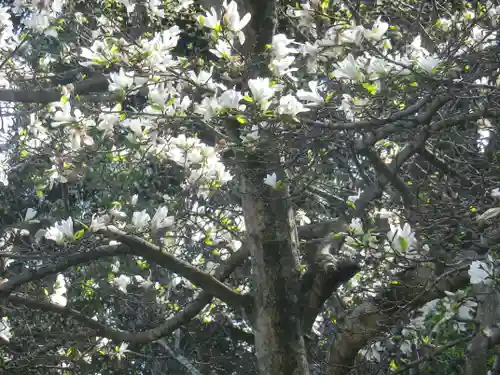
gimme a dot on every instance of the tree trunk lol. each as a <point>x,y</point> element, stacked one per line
<point>273,243</point>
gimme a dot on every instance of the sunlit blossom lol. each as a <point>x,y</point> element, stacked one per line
<point>271,180</point>
<point>161,219</point>
<point>140,219</point>
<point>61,231</point>
<point>403,239</point>
<point>261,91</point>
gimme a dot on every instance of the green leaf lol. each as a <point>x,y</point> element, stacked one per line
<point>64,99</point>
<point>241,119</point>
<point>393,365</point>
<point>98,61</point>
<point>372,89</point>
<point>79,234</point>
<point>403,243</point>
<point>143,264</point>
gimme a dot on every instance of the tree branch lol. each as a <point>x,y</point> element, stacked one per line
<point>98,83</point>
<point>413,288</point>
<point>165,329</point>
<point>390,175</point>
<point>319,284</point>
<point>370,124</point>
<point>6,288</point>
<point>152,252</point>
<point>476,357</point>
<point>179,358</point>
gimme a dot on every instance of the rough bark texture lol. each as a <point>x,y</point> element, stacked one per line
<point>370,319</point>
<point>273,242</point>
<point>488,313</point>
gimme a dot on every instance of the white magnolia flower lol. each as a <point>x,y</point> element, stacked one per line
<point>79,137</point>
<point>480,272</point>
<point>289,105</point>
<point>222,50</point>
<point>61,114</point>
<point>140,219</point>
<point>61,231</point>
<point>210,19</point>
<point>230,99</point>
<point>356,227</point>
<point>161,220</point>
<point>252,136</point>
<point>428,64</point>
<point>133,200</point>
<point>312,97</point>
<point>99,222</point>
<point>107,121</point>
<point>352,35</point>
<point>143,283</point>
<point>208,107</point>
<point>444,24</point>
<point>301,217</point>
<point>402,240</point>
<point>30,214</point>
<point>117,214</point>
<point>466,309</point>
<point>271,180</point>
<point>282,66</point>
<point>156,7</point>
<point>159,95</point>
<point>122,350</point>
<point>405,347</point>
<point>135,125</point>
<point>233,22</point>
<point>121,80</point>
<point>58,299</point>
<point>261,91</point>
<point>5,329</point>
<point>378,30</point>
<point>348,69</point>
<point>495,193</point>
<point>373,352</point>
<point>279,46</point>
<point>60,290</point>
<point>203,78</point>
<point>122,282</point>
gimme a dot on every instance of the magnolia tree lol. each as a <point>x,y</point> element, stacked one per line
<point>249,187</point>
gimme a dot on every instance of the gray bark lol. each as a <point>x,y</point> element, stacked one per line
<point>273,243</point>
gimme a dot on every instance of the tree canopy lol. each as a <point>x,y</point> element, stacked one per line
<point>249,187</point>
